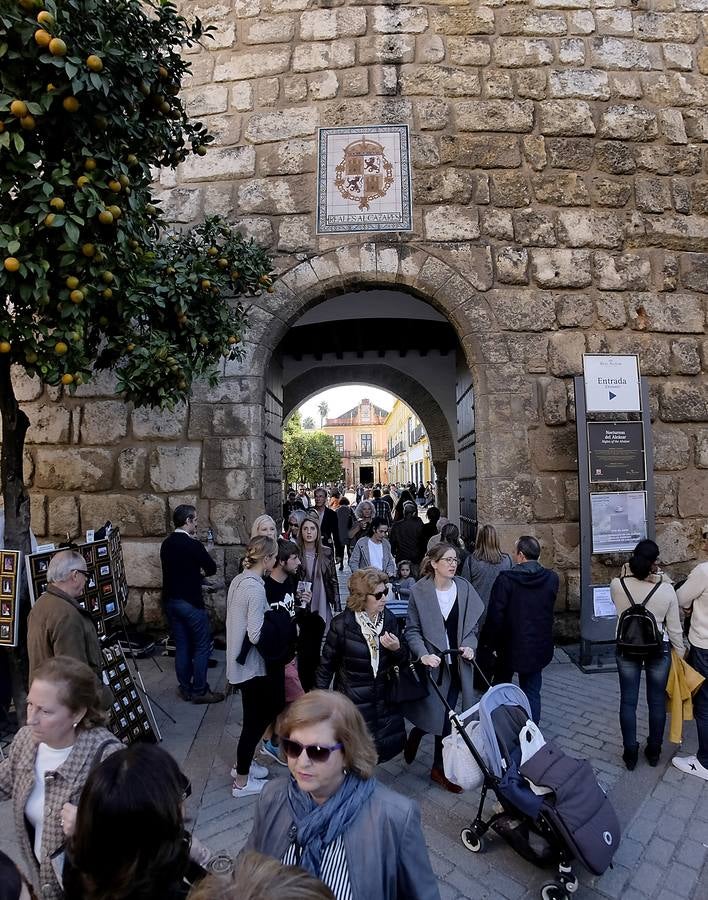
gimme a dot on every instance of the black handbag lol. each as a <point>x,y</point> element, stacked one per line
<point>409,683</point>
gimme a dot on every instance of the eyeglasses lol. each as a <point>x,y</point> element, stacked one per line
<point>315,752</point>
<point>83,572</point>
<point>379,594</point>
<point>449,559</point>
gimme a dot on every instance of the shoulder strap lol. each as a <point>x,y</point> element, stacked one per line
<point>96,759</point>
<point>646,599</point>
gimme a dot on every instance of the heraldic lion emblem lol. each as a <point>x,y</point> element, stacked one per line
<point>364,174</point>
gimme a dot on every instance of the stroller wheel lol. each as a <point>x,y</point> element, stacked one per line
<point>553,891</point>
<point>471,840</point>
<point>571,886</point>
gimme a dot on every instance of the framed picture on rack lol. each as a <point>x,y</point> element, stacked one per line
<point>9,597</point>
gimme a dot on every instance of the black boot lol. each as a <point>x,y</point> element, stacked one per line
<point>630,756</point>
<point>652,753</point>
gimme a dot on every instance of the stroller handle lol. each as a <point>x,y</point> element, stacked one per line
<point>455,651</point>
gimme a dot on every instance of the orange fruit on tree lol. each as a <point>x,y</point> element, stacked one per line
<point>107,277</point>
<point>233,340</point>
<point>124,180</point>
<point>2,127</point>
<point>162,73</point>
<point>5,346</point>
<point>45,18</point>
<point>115,186</point>
<point>95,63</point>
<point>222,263</point>
<point>57,203</point>
<point>105,217</point>
<point>205,284</point>
<point>82,180</point>
<point>31,357</point>
<point>60,348</point>
<point>18,108</point>
<point>57,47</point>
<point>70,104</point>
<point>67,378</point>
<point>76,296</point>
<point>213,251</point>
<point>90,164</point>
<point>50,87</point>
<point>49,219</point>
<point>12,264</point>
<point>106,293</point>
<point>200,150</point>
<point>131,159</point>
<point>42,38</point>
<point>28,123</point>
<point>72,282</point>
<point>88,249</point>
<point>115,211</point>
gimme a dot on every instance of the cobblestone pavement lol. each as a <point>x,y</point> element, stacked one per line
<point>664,814</point>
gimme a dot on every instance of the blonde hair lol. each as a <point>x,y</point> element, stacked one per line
<point>257,549</point>
<point>348,724</point>
<point>487,545</point>
<point>362,583</point>
<point>258,522</point>
<point>435,554</point>
<point>77,686</point>
<point>260,877</point>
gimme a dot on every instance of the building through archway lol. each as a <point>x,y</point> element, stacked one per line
<point>396,341</point>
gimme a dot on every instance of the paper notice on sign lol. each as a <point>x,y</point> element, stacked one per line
<point>602,604</point>
<point>619,520</point>
<point>611,383</point>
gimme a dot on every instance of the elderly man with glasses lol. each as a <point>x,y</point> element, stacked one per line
<point>57,625</point>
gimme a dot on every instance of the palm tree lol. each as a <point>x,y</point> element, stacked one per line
<point>323,408</point>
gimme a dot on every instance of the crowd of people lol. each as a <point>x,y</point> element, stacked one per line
<point>322,690</point>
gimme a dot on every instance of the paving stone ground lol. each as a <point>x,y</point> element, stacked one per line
<point>664,814</point>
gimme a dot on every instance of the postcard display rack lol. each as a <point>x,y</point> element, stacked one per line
<point>614,458</point>
<point>131,716</point>
<point>9,597</point>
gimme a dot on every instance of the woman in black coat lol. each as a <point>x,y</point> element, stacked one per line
<point>363,645</point>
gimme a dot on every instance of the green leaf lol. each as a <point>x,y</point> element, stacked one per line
<point>72,231</point>
<point>18,141</point>
<point>13,247</point>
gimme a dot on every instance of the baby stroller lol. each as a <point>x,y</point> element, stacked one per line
<point>564,816</point>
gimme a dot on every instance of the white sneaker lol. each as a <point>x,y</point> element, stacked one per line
<point>256,771</point>
<point>691,766</point>
<point>252,786</point>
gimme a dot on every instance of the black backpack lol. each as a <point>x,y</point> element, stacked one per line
<point>638,635</point>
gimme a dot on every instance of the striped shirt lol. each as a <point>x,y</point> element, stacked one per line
<point>334,871</point>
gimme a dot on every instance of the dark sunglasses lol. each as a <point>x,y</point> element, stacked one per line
<point>315,753</point>
<point>379,594</point>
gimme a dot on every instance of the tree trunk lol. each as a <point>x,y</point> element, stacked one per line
<point>17,518</point>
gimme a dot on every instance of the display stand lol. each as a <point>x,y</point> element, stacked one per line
<point>9,597</point>
<point>597,628</point>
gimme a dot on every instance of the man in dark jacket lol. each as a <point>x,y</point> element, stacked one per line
<point>406,537</point>
<point>184,559</point>
<point>519,623</point>
<point>329,526</point>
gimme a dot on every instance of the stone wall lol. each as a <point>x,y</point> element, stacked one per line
<point>560,152</point>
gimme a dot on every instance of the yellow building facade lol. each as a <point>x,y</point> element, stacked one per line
<point>360,437</point>
<point>407,447</point>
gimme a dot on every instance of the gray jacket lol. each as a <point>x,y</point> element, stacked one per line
<point>359,558</point>
<point>385,848</point>
<point>246,605</point>
<point>425,633</point>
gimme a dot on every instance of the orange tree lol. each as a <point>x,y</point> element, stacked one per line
<point>89,110</point>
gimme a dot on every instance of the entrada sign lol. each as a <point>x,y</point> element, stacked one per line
<point>611,383</point>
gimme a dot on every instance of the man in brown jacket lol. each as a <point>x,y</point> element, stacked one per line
<point>57,626</point>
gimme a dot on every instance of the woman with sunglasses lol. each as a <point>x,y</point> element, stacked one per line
<point>443,614</point>
<point>332,818</point>
<point>362,647</point>
<point>49,761</point>
<point>262,695</point>
<point>130,842</point>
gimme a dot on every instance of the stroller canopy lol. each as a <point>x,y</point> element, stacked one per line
<point>499,695</point>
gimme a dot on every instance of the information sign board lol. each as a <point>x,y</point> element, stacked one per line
<point>616,452</point>
<point>619,520</point>
<point>611,383</point>
<point>602,605</point>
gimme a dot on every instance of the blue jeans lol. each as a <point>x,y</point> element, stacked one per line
<point>698,658</point>
<point>529,682</point>
<point>192,635</point>
<point>630,673</point>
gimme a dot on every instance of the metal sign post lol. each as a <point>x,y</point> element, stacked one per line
<point>596,626</point>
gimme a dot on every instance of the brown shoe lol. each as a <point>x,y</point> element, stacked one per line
<point>439,777</point>
<point>208,697</point>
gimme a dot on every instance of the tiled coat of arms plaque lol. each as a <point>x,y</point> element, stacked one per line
<point>364,179</point>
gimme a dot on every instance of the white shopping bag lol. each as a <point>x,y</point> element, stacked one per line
<point>531,741</point>
<point>459,764</point>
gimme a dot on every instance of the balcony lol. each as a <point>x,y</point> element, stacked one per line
<point>416,434</point>
<point>396,450</point>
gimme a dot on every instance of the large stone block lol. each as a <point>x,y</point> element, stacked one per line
<point>324,55</point>
<point>49,423</point>
<point>269,30</point>
<point>155,423</point>
<point>561,189</point>
<point>494,115</point>
<point>674,540</point>
<point>466,51</point>
<point>104,422</point>
<point>554,449</point>
<point>534,229</point>
<point>276,196</point>
<point>512,265</point>
<point>450,223</point>
<point>532,23</point>
<point>523,310</point>
<point>252,64</point>
<point>137,515</point>
<point>653,351</point>
<point>26,387</point>
<point>685,357</point>
<point>522,52</point>
<point>591,228</point>
<point>63,517</point>
<point>580,83</point>
<point>554,401</point>
<point>694,271</point>
<point>693,495</point>
<point>682,313</point>
<point>142,563</point>
<point>327,24</point>
<point>280,125</point>
<point>561,268</point>
<point>677,232</point>
<point>389,48</point>
<point>571,117</point>
<point>479,20</point>
<point>702,449</point>
<point>219,163</point>
<point>444,186</point>
<point>682,401</point>
<point>439,81</point>
<point>662,26</point>
<point>476,151</point>
<point>628,272</point>
<point>132,466</point>
<point>565,353</point>
<point>676,89</point>
<point>668,160</point>
<point>242,452</point>
<point>510,189</point>
<point>620,53</point>
<point>206,99</point>
<point>507,499</point>
<point>629,122</point>
<point>293,157</point>
<point>399,19</point>
<point>671,449</point>
<point>175,468</point>
<point>73,469</point>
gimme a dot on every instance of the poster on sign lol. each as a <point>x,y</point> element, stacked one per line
<point>619,520</point>
<point>611,383</point>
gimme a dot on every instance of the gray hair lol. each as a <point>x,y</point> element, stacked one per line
<point>63,564</point>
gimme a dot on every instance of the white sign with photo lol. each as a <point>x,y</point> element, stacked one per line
<point>619,520</point>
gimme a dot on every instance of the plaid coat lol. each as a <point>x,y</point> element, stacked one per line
<point>17,780</point>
